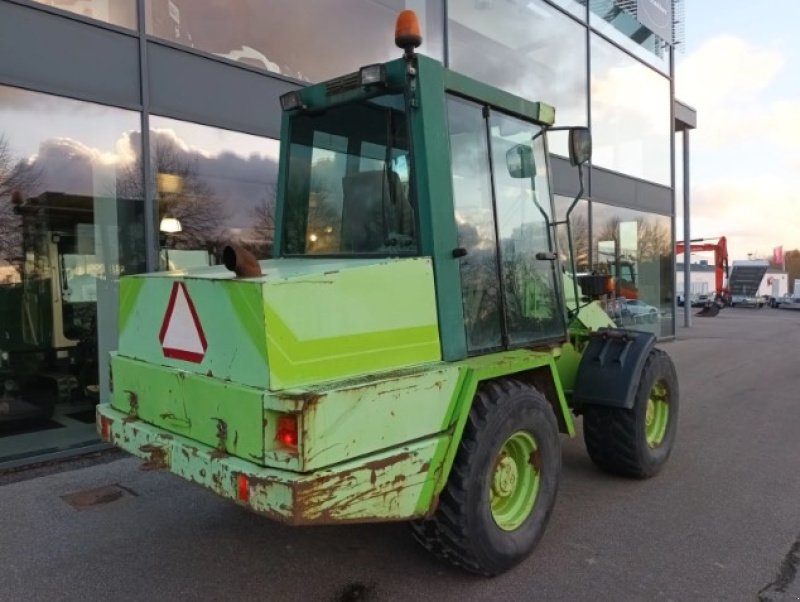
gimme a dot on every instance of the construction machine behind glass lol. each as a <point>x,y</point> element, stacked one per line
<point>414,348</point>
<point>48,346</point>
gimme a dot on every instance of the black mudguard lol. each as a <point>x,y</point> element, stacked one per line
<point>611,366</point>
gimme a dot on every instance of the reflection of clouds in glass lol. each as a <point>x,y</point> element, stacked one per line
<point>531,50</point>
<point>476,228</point>
<point>124,153</point>
<point>209,141</point>
<point>630,115</point>
<point>233,175</point>
<point>28,118</point>
<point>118,12</point>
<point>38,103</point>
<point>287,37</point>
<point>628,93</point>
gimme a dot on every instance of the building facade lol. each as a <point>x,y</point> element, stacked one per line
<point>137,135</point>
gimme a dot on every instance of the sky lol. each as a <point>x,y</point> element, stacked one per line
<point>740,69</point>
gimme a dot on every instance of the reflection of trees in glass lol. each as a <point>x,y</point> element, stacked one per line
<point>262,230</point>
<point>182,194</point>
<point>186,197</point>
<point>654,238</point>
<point>644,268</point>
<point>18,179</point>
<point>313,207</point>
<point>580,241</point>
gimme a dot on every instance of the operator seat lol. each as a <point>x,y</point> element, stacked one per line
<point>376,213</point>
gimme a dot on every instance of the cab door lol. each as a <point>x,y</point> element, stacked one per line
<point>510,297</point>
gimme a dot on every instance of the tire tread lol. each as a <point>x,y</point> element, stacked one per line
<point>443,534</point>
<point>611,434</point>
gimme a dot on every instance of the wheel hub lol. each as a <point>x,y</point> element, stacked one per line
<point>505,477</point>
<point>656,417</point>
<point>514,481</point>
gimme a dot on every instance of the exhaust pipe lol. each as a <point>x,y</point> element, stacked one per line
<point>240,261</point>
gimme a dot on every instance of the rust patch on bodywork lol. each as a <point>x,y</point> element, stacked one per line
<point>304,401</point>
<point>329,498</point>
<point>222,439</point>
<point>156,457</point>
<point>133,403</point>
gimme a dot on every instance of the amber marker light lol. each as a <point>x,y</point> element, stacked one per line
<point>407,32</point>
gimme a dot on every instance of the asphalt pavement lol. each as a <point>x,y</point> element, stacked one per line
<point>721,522</point>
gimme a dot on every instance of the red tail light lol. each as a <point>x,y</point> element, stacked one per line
<point>243,488</point>
<point>286,433</point>
<point>105,428</point>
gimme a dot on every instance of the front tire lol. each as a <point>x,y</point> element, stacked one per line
<point>637,442</point>
<point>503,484</point>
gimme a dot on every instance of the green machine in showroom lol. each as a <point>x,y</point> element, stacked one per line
<point>416,345</point>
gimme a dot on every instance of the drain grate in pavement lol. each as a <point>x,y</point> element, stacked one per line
<point>81,500</point>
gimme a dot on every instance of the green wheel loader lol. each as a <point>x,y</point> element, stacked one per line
<point>415,347</point>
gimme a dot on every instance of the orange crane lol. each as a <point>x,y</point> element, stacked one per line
<point>720,249</point>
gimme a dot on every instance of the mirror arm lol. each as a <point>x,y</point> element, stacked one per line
<point>569,239</point>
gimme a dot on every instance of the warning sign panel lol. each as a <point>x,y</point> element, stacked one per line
<point>182,335</point>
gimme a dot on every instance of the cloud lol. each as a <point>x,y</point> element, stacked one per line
<point>755,214</point>
<point>729,81</point>
<point>237,182</point>
<point>727,67</point>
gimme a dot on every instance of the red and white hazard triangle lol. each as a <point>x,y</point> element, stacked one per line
<point>182,335</point>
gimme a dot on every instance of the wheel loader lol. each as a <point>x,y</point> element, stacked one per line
<point>416,346</point>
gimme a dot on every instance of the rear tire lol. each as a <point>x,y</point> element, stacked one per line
<point>503,484</point>
<point>637,442</point>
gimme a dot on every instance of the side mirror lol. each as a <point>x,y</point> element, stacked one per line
<point>580,145</point>
<point>519,161</point>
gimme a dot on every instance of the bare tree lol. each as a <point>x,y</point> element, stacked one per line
<point>792,263</point>
<point>182,194</point>
<point>579,225</point>
<point>18,179</point>
<point>313,205</point>
<point>261,234</point>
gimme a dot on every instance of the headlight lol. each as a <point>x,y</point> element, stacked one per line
<point>291,101</point>
<point>373,74</point>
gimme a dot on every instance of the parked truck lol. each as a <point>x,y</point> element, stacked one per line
<point>414,348</point>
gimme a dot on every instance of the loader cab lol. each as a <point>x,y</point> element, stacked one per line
<point>48,351</point>
<point>408,159</point>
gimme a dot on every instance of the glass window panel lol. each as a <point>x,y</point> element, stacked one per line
<point>575,7</point>
<point>220,187</point>
<point>524,213</point>
<point>71,223</point>
<point>348,184</point>
<point>472,197</point>
<point>621,25</point>
<point>302,39</point>
<point>630,115</point>
<point>636,249</point>
<point>579,225</point>
<point>529,49</point>
<point>116,12</point>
